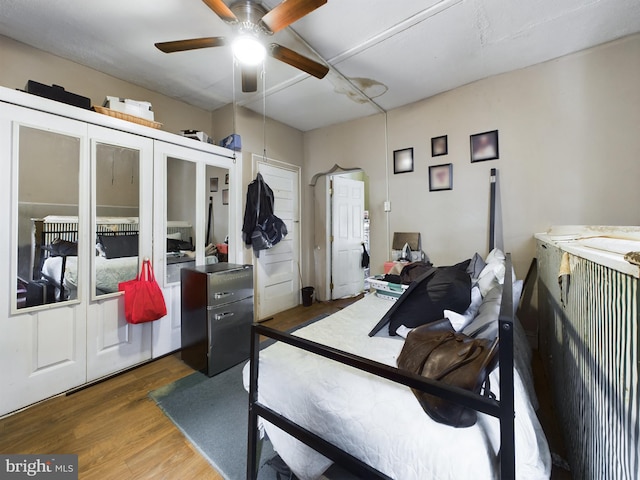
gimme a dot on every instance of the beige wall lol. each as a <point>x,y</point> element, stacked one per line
<point>20,63</point>
<point>569,154</point>
<point>283,143</point>
<point>569,146</point>
<point>360,143</point>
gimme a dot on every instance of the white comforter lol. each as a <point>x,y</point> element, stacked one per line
<point>109,272</point>
<point>376,420</point>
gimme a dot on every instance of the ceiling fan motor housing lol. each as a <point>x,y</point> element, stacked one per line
<point>249,16</point>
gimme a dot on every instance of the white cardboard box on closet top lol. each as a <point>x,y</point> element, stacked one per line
<point>132,107</point>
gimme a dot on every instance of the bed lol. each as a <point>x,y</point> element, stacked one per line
<point>366,418</point>
<point>116,258</point>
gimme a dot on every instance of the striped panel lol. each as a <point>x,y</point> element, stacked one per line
<point>594,347</point>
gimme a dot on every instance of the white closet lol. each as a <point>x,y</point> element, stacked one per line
<point>78,165</point>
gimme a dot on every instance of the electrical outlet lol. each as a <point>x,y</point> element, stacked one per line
<point>387,206</point>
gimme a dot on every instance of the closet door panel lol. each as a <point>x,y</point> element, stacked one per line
<point>121,230</point>
<point>51,349</point>
<point>189,206</point>
<point>43,330</point>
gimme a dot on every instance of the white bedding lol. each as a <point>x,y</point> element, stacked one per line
<point>376,420</point>
<point>109,272</point>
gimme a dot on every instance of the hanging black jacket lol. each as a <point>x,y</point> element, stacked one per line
<point>250,212</point>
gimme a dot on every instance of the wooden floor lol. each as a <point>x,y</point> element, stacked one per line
<point>118,432</point>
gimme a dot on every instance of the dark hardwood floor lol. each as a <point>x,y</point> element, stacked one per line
<point>118,432</point>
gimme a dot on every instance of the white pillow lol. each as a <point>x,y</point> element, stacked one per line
<point>174,236</point>
<point>492,274</point>
<point>495,255</point>
<point>403,331</point>
<point>461,320</point>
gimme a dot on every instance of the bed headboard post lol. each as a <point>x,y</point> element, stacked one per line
<point>505,354</point>
<point>252,441</point>
<point>492,210</point>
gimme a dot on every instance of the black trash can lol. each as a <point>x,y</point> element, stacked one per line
<point>307,296</point>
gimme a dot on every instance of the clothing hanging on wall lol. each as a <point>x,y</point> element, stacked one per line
<point>268,230</point>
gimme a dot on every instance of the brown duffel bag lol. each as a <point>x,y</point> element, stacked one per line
<point>438,352</point>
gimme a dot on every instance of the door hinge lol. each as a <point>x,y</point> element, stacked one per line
<point>331,286</point>
<point>331,238</point>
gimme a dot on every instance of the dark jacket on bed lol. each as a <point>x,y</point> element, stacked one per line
<point>251,219</point>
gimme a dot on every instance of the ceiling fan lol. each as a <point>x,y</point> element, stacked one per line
<point>252,23</point>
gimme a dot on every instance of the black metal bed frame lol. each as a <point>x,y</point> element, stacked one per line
<point>502,409</point>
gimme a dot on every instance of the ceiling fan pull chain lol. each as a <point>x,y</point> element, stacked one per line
<point>233,102</point>
<point>264,113</point>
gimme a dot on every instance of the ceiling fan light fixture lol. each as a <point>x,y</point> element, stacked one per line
<point>248,50</point>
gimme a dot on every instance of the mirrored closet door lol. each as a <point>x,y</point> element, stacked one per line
<point>120,237</point>
<point>45,194</point>
<point>48,164</point>
<point>192,216</point>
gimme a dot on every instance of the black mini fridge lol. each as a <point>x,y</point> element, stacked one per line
<point>217,313</point>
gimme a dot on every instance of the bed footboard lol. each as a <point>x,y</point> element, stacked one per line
<point>502,409</point>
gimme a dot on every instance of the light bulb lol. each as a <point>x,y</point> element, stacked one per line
<point>248,50</point>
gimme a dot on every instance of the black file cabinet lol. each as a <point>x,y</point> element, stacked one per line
<point>217,313</point>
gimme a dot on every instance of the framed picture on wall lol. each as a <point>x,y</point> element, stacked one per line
<point>439,146</point>
<point>484,146</point>
<point>213,184</point>
<point>403,160</point>
<point>225,196</point>
<point>441,177</point>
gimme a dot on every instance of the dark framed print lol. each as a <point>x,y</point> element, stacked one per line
<point>439,146</point>
<point>213,184</point>
<point>403,160</point>
<point>226,179</point>
<point>225,196</point>
<point>441,177</point>
<point>484,146</point>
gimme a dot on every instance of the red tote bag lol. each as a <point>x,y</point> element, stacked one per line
<point>143,299</point>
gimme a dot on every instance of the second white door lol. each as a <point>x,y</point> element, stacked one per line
<point>347,219</point>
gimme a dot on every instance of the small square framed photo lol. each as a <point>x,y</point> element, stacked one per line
<point>403,160</point>
<point>484,146</point>
<point>439,146</point>
<point>225,196</point>
<point>441,177</point>
<point>213,184</point>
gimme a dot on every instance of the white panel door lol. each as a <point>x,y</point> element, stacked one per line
<point>277,271</point>
<point>41,346</point>
<point>347,212</point>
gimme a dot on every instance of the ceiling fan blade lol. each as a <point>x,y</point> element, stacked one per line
<point>221,9</point>
<point>298,61</point>
<point>191,44</point>
<point>288,12</point>
<point>249,79</point>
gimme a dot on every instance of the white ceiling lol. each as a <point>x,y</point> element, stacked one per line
<point>397,51</point>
